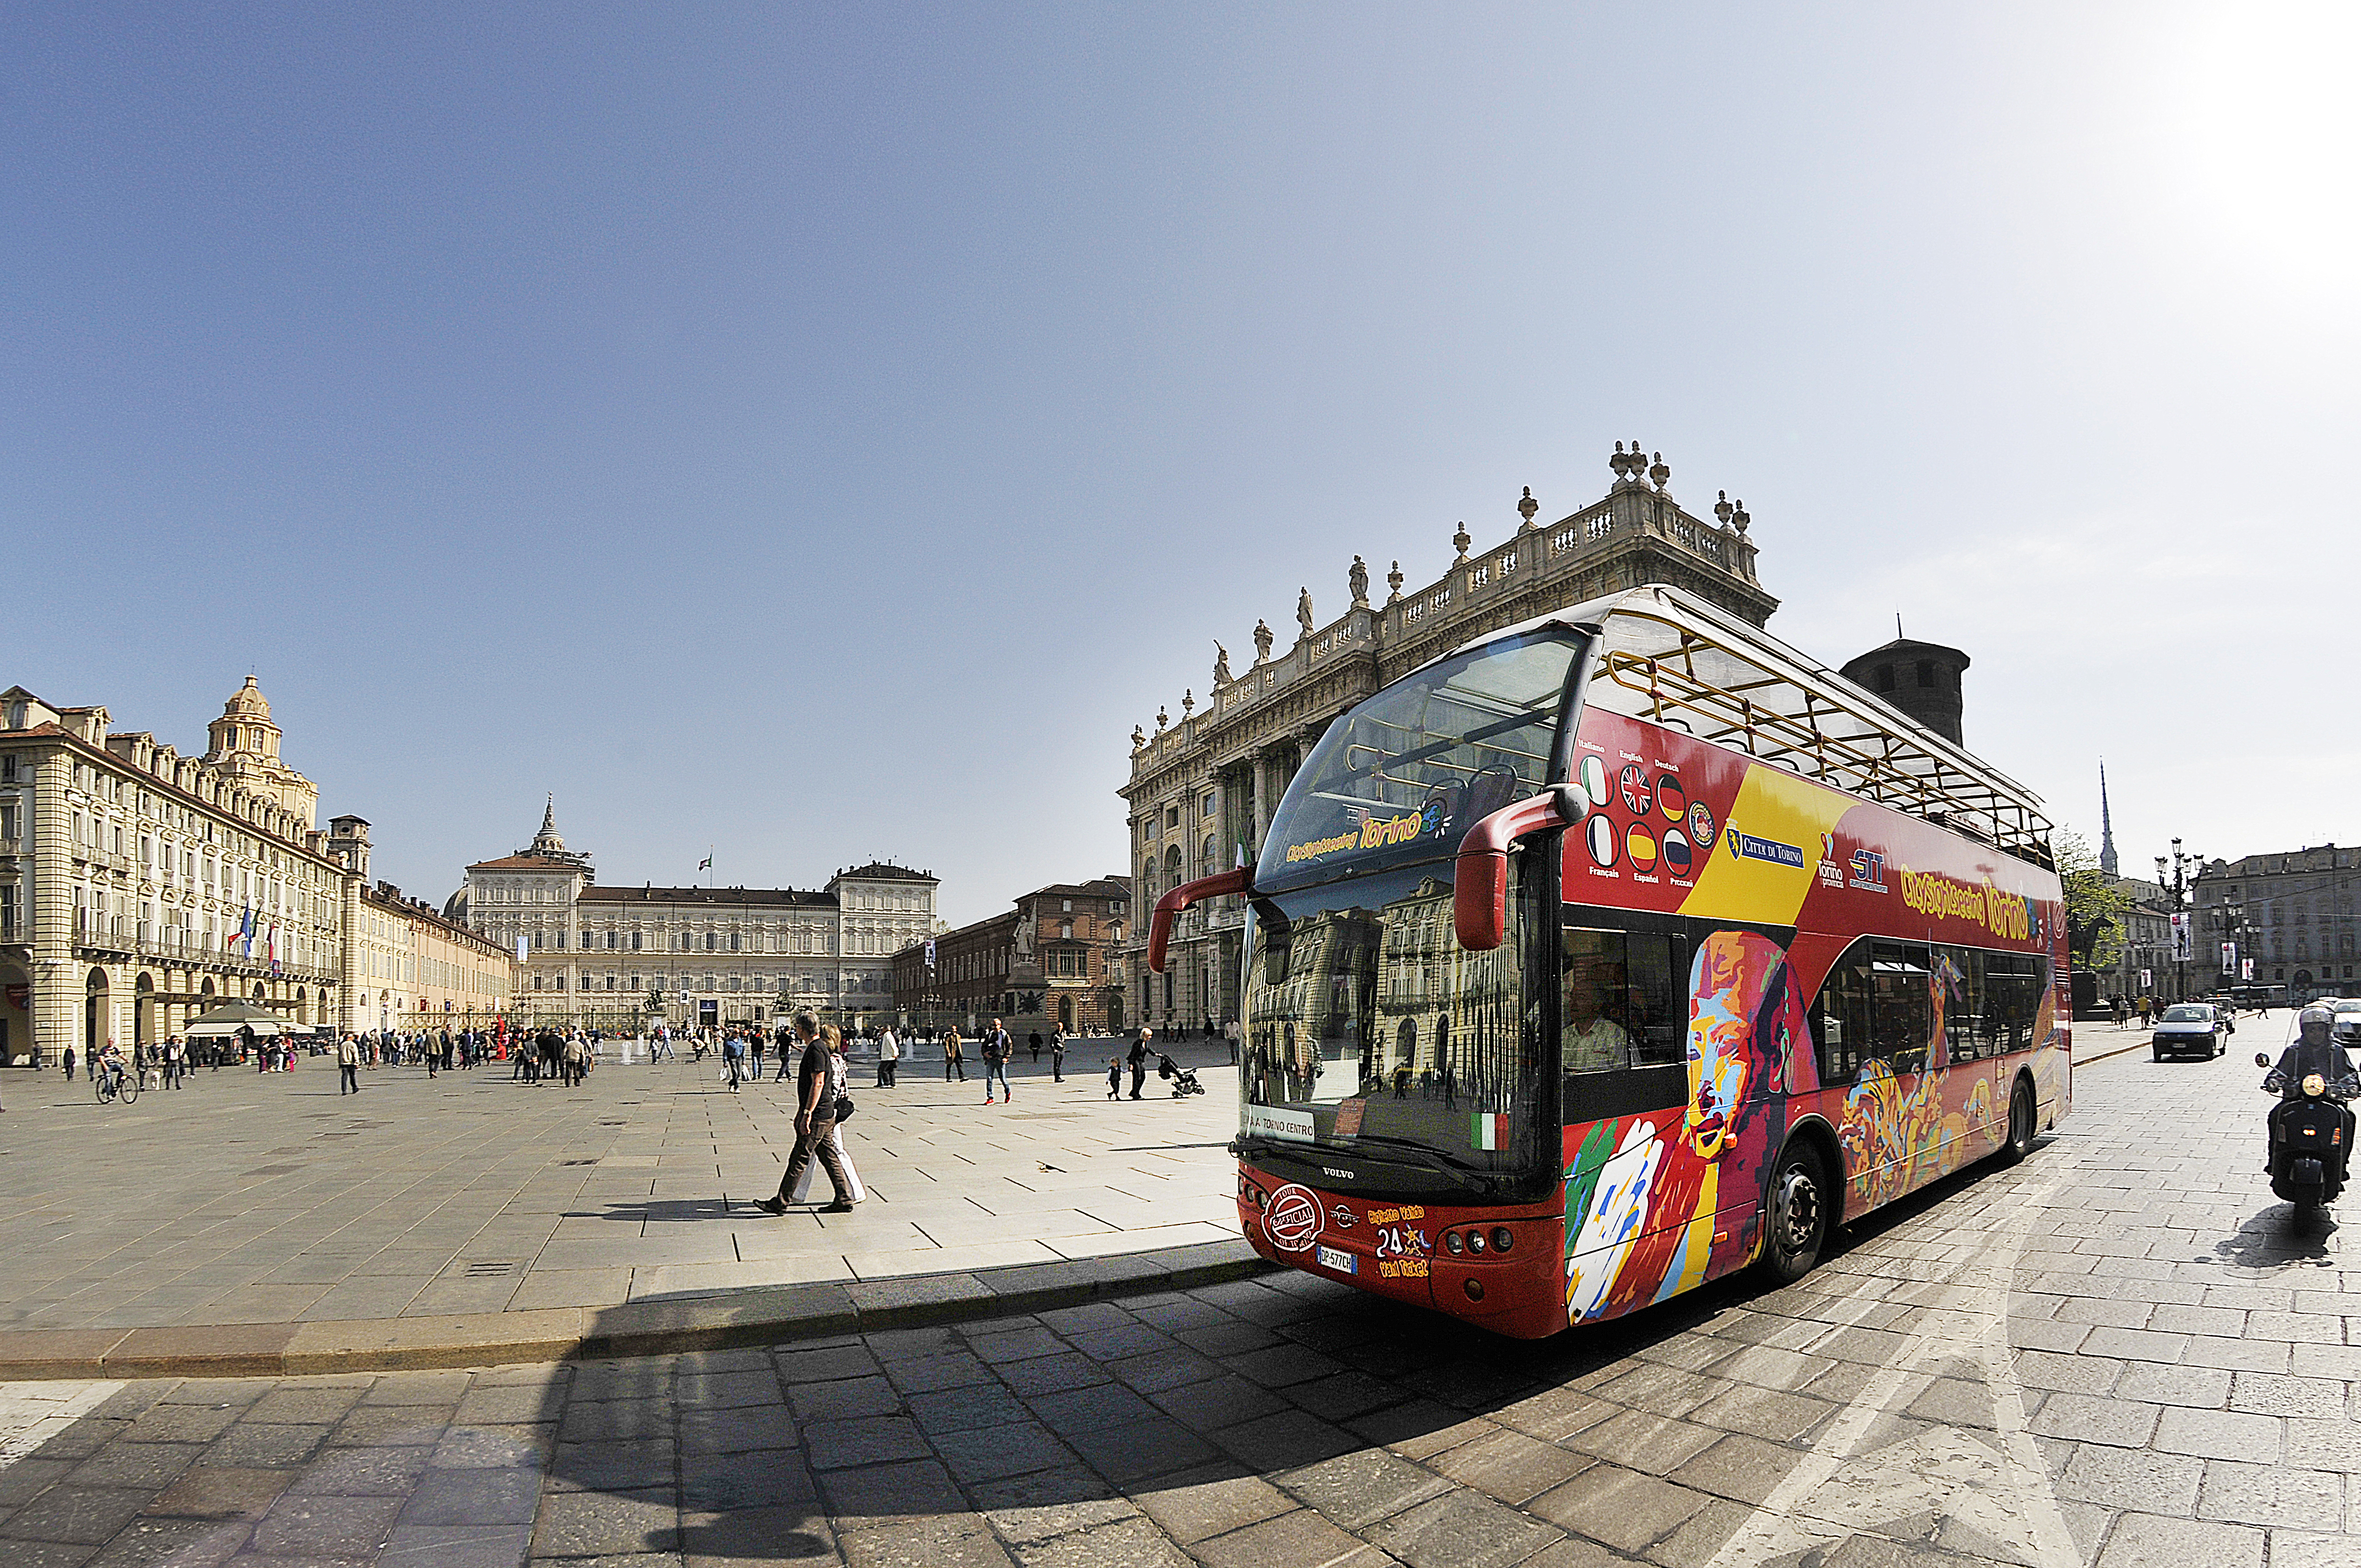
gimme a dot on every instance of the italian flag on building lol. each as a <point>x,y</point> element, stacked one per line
<point>1490,1131</point>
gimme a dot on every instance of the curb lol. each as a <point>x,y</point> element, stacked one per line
<point>763,1315</point>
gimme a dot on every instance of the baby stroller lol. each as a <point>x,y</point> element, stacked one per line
<point>1183,1079</point>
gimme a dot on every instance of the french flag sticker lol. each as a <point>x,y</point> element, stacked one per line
<point>1490,1132</point>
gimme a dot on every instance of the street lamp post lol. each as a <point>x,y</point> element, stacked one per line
<point>2179,893</point>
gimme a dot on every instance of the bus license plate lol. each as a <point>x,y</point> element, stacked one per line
<point>1342,1262</point>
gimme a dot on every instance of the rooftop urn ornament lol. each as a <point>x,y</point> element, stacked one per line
<point>1622,467</point>
<point>1462,542</point>
<point>1262,641</point>
<point>1529,507</point>
<point>1187,704</point>
<point>1394,582</point>
<point>1722,509</point>
<point>1221,676</point>
<point>1738,518</point>
<point>1161,720</point>
<point>1660,473</point>
<point>1360,578</point>
<point>1138,737</point>
<point>1303,610</point>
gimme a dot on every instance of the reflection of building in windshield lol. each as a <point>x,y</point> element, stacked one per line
<point>1386,1005</point>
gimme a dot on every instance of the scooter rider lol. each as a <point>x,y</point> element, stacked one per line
<point>2313,1050</point>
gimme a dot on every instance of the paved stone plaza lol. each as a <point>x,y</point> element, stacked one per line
<point>249,1198</point>
<point>2116,1353</point>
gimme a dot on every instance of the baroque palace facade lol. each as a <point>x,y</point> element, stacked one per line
<point>140,888</point>
<point>1202,792</point>
<point>596,956</point>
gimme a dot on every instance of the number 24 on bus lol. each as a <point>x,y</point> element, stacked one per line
<point>1610,953</point>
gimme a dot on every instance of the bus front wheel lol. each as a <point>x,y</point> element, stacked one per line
<point>1795,1218</point>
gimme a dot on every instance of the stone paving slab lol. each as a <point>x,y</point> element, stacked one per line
<point>270,1200</point>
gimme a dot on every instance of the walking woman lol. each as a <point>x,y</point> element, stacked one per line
<point>952,1060</point>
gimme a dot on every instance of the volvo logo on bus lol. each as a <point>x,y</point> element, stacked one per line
<point>1292,1221</point>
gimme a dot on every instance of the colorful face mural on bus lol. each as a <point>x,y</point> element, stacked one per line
<point>1644,1191</point>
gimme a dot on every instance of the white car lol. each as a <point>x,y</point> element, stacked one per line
<point>2345,1025</point>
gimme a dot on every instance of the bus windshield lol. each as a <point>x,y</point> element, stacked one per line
<point>1372,1035</point>
<point>1404,775</point>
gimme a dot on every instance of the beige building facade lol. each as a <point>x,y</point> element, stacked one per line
<point>1201,791</point>
<point>140,887</point>
<point>598,956</point>
<point>406,966</point>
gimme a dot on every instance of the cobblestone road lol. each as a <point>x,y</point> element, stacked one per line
<point>2116,1353</point>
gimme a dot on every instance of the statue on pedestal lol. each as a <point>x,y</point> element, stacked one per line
<point>1360,581</point>
<point>1262,641</point>
<point>1303,610</point>
<point>1221,676</point>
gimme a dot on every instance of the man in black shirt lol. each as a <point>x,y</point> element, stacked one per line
<point>815,1119</point>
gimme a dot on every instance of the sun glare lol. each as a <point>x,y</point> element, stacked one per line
<point>2265,137</point>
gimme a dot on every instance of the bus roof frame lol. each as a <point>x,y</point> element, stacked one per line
<point>1777,704</point>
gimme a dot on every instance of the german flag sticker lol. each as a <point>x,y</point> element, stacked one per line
<point>1671,798</point>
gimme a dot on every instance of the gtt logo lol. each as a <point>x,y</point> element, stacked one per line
<point>1869,869</point>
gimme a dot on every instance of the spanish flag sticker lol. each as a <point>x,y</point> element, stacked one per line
<point>1641,846</point>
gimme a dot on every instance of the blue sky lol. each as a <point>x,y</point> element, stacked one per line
<point>823,434</point>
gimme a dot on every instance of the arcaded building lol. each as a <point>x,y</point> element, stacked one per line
<point>139,887</point>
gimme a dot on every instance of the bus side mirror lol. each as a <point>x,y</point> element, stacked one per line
<point>1159,931</point>
<point>1480,880</point>
<point>2262,1060</point>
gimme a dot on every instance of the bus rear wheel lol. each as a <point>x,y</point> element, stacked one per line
<point>1796,1214</point>
<point>2023,1123</point>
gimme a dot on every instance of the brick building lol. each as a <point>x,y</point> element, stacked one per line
<point>1050,960</point>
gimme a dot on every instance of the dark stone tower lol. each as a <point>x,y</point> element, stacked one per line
<point>1922,679</point>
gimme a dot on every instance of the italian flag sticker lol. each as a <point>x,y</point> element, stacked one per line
<point>1490,1131</point>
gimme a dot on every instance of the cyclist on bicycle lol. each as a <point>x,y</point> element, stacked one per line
<point>110,1064</point>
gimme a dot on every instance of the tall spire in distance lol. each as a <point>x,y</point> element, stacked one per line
<point>2106,827</point>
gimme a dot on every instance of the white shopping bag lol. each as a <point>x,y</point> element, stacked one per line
<point>802,1194</point>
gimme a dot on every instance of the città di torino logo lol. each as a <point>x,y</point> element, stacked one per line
<point>1746,847</point>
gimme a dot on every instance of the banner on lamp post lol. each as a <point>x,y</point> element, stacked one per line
<point>2229,957</point>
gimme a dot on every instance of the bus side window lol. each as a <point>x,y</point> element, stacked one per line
<point>1840,1019</point>
<point>2015,982</point>
<point>1904,1016</point>
<point>1658,1008</point>
<point>1595,1031</point>
<point>1962,972</point>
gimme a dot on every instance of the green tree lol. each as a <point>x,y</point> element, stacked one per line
<point>2095,906</point>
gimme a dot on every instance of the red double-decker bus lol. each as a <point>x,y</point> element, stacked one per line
<point>1616,951</point>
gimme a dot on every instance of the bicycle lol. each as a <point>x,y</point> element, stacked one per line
<point>114,1082</point>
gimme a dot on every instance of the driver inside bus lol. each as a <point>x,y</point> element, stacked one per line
<point>1591,1041</point>
<point>2314,1049</point>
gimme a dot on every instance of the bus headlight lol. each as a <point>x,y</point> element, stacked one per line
<point>1476,1241</point>
<point>1452,1243</point>
<point>1502,1238</point>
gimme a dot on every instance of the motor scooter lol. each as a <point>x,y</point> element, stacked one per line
<point>2308,1145</point>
